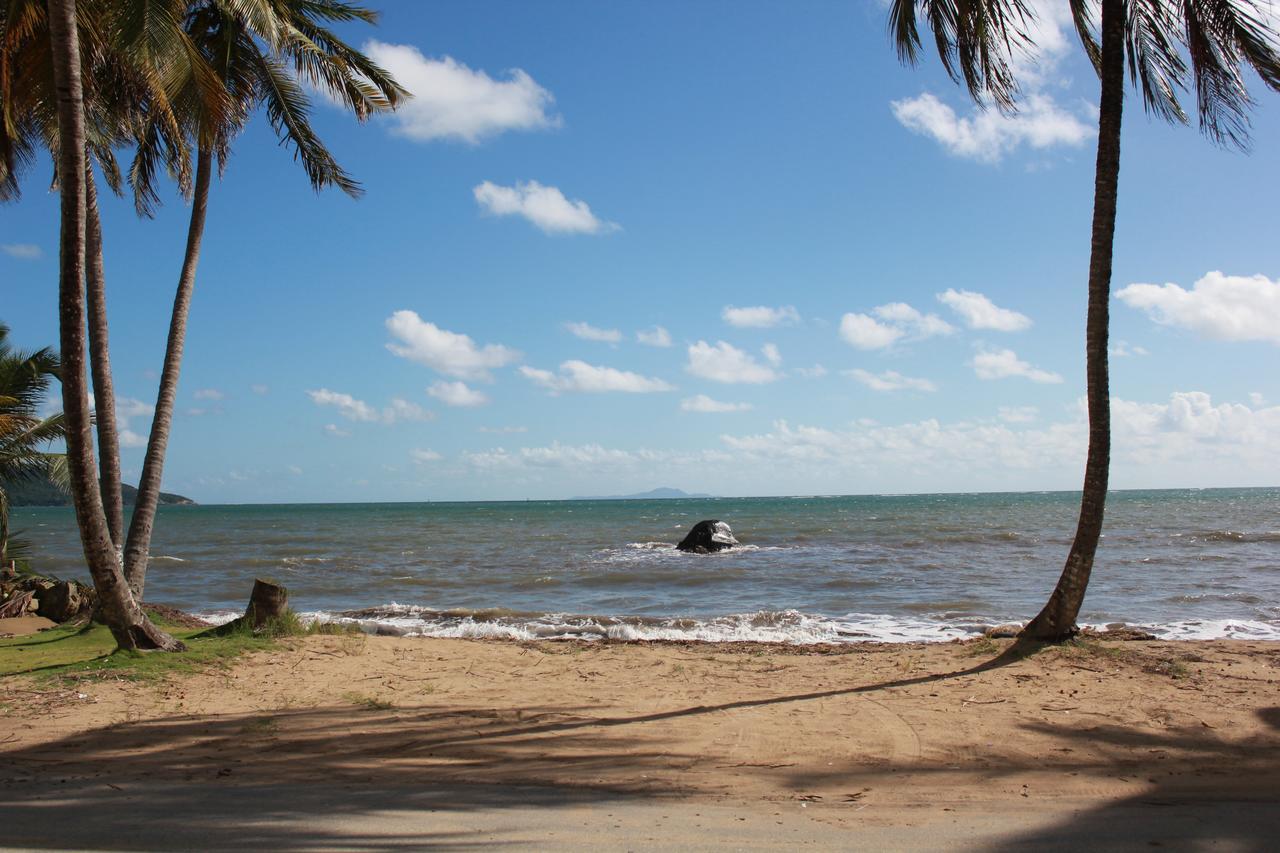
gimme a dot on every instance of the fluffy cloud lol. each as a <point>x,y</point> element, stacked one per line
<point>259,389</point>
<point>759,317</point>
<point>358,410</point>
<point>209,394</point>
<point>890,380</point>
<point>22,251</point>
<point>979,312</point>
<point>815,372</point>
<point>580,376</point>
<point>452,101</point>
<point>335,431</point>
<point>703,403</point>
<point>127,409</point>
<point>457,394</point>
<point>896,321</point>
<point>545,207</point>
<point>1123,349</point>
<point>726,363</point>
<point>450,353</point>
<point>1002,364</point>
<point>771,354</point>
<point>1218,306</point>
<point>421,456</point>
<point>590,333</point>
<point>987,135</point>
<point>655,337</point>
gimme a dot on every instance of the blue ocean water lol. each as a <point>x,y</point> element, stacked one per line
<point>1184,563</point>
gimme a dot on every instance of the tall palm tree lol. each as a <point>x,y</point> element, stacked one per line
<point>259,51</point>
<point>128,624</point>
<point>976,40</point>
<point>24,435</point>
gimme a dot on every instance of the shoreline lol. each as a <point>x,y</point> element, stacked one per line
<point>836,739</point>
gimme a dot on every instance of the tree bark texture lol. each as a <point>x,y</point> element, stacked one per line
<point>104,394</point>
<point>1057,620</point>
<point>138,545</point>
<point>128,624</point>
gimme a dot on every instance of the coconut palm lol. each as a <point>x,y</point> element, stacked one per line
<point>260,52</point>
<point>128,624</point>
<point>1156,38</point>
<point>24,435</point>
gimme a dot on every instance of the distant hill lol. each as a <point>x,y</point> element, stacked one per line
<point>47,494</point>
<point>655,494</point>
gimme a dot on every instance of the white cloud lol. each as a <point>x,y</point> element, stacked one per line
<point>815,372</point>
<point>452,101</point>
<point>259,389</point>
<point>358,410</point>
<point>295,470</point>
<point>890,380</point>
<point>726,363</point>
<point>771,354</point>
<point>336,431</point>
<point>582,377</point>
<point>506,430</point>
<point>1123,349</point>
<point>703,403</point>
<point>448,352</point>
<point>457,394</point>
<point>22,251</point>
<point>1218,306</point>
<point>1001,364</point>
<point>1256,398</point>
<point>1018,414</point>
<point>655,337</point>
<point>759,316</point>
<point>545,207</point>
<point>987,135</point>
<point>421,455</point>
<point>979,312</point>
<point>209,394</point>
<point>129,438</point>
<point>897,321</point>
<point>349,407</point>
<point>591,333</point>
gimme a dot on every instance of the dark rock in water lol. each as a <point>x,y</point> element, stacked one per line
<point>707,537</point>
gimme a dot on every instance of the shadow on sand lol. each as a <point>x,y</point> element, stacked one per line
<point>295,779</point>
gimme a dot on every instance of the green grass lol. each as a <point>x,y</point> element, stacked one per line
<point>370,702</point>
<point>90,650</point>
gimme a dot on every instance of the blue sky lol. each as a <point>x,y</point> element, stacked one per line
<point>862,284</point>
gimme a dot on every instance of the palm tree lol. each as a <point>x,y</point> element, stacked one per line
<point>259,51</point>
<point>129,625</point>
<point>976,40</point>
<point>24,435</point>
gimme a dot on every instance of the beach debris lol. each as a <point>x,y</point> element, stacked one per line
<point>707,537</point>
<point>1003,632</point>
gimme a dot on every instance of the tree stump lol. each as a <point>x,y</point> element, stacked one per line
<point>268,601</point>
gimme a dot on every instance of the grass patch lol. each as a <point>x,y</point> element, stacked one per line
<point>371,702</point>
<point>77,652</point>
<point>981,647</point>
<point>1175,669</point>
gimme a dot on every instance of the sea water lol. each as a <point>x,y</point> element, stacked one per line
<point>1180,563</point>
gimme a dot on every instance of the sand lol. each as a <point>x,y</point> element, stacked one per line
<point>962,744</point>
<point>21,626</point>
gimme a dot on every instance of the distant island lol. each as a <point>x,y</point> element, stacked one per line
<point>655,494</point>
<point>47,494</point>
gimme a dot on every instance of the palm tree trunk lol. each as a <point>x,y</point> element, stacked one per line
<point>1057,620</point>
<point>100,364</point>
<point>138,545</point>
<point>4,529</point>
<point>128,624</point>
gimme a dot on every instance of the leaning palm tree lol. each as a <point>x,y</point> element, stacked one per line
<point>24,435</point>
<point>260,52</point>
<point>128,624</point>
<point>1220,37</point>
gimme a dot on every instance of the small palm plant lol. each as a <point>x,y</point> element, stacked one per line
<point>24,435</point>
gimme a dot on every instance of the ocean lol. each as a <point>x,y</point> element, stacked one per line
<point>1188,564</point>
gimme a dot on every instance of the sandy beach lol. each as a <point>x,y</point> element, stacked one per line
<point>953,745</point>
